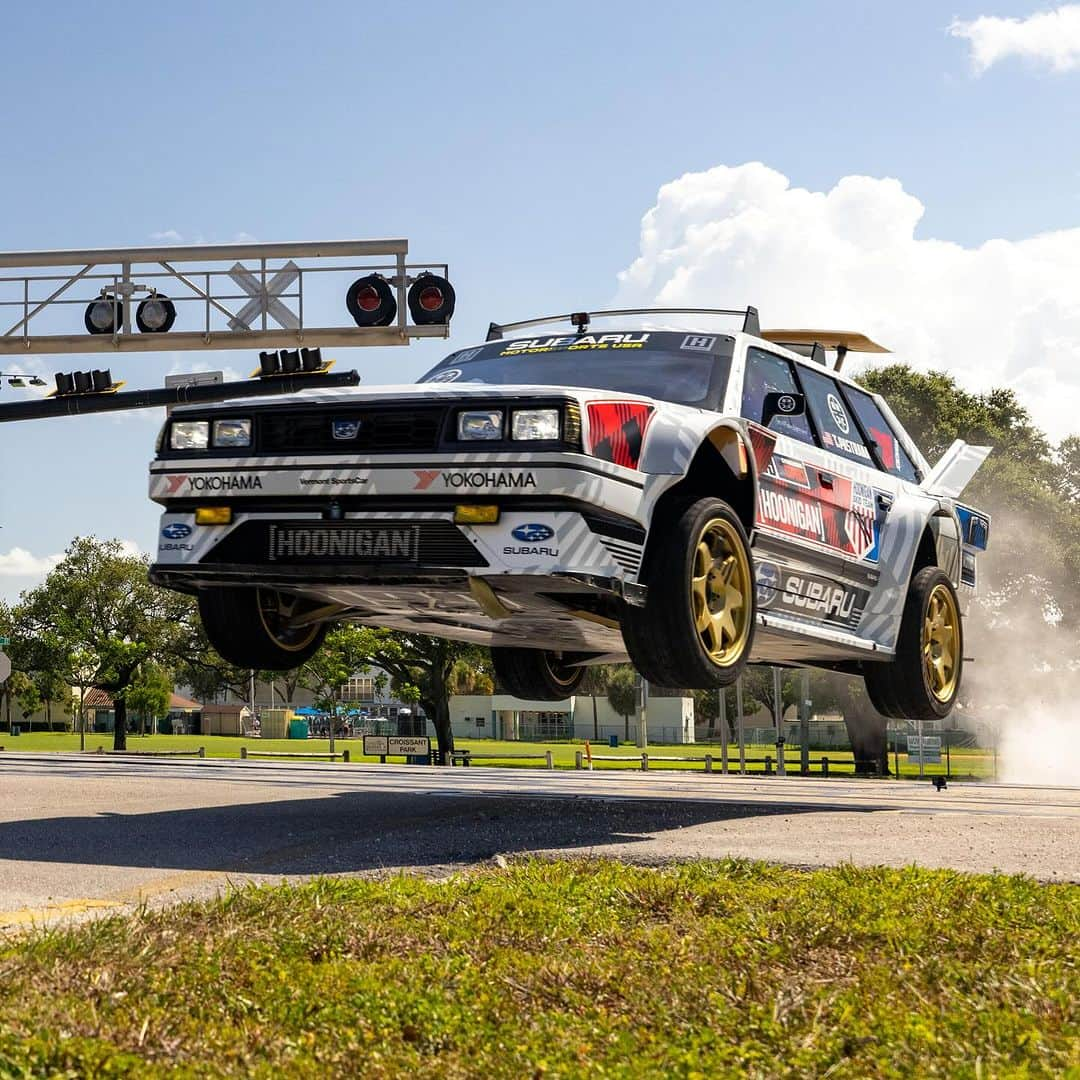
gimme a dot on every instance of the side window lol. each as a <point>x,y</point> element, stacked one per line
<point>890,451</point>
<point>836,426</point>
<point>764,374</point>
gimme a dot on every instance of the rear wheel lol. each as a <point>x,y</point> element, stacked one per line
<point>257,628</point>
<point>535,674</point>
<point>922,682</point>
<point>697,626</point>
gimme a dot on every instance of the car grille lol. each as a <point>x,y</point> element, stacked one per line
<point>385,430</point>
<point>419,543</point>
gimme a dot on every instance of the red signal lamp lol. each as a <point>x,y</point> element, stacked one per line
<point>371,301</point>
<point>431,300</point>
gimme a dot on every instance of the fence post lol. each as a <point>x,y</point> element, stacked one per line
<point>824,766</point>
<point>243,752</point>
<point>202,751</point>
<point>708,762</point>
<point>549,761</point>
<point>644,761</point>
<point>345,756</point>
<point>768,764</point>
<point>577,759</point>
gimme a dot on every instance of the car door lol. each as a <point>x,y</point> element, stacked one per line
<point>821,500</point>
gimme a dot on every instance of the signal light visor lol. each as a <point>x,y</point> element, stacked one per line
<point>480,424</point>
<point>189,435</point>
<point>232,433</point>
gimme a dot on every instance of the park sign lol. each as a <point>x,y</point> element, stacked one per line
<point>5,667</point>
<point>396,745</point>
<point>924,748</point>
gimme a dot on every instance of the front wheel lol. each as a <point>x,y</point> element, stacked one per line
<point>257,628</point>
<point>922,682</point>
<point>697,626</point>
<point>535,674</point>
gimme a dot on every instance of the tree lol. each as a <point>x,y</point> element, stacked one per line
<point>149,694</point>
<point>342,655</point>
<point>421,668</point>
<point>97,601</point>
<point>622,694</point>
<point>596,681</point>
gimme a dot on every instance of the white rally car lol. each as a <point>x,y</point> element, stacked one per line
<point>690,501</point>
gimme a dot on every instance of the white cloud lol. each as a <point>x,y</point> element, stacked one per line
<point>18,562</point>
<point>1048,37</point>
<point>168,236</point>
<point>1006,313</point>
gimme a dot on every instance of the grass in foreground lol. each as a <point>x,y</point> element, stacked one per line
<point>565,969</point>
<point>966,764</point>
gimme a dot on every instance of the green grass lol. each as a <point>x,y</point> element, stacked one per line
<point>965,763</point>
<point>565,969</point>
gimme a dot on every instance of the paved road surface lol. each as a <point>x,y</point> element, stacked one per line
<point>82,834</point>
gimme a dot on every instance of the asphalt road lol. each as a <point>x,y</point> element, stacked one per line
<point>80,835</point>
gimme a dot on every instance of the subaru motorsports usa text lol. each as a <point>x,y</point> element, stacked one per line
<point>691,501</point>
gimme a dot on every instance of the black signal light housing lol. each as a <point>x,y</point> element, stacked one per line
<point>431,300</point>
<point>371,301</point>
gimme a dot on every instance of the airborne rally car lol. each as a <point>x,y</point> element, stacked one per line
<point>691,501</point>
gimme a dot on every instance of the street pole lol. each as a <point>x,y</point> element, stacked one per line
<point>804,724</point>
<point>922,752</point>
<point>739,718</point>
<point>643,731</point>
<point>722,702</point>
<point>778,720</point>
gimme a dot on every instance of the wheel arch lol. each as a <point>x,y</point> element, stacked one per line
<point>721,467</point>
<point>939,545</point>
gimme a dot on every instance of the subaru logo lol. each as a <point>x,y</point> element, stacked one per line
<point>532,533</point>
<point>345,429</point>
<point>176,531</point>
<point>768,583</point>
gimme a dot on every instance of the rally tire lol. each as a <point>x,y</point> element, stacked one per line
<point>878,679</point>
<point>923,680</point>
<point>535,674</point>
<point>696,629</point>
<point>244,626</point>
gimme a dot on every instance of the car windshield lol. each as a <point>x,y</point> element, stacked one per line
<point>688,369</point>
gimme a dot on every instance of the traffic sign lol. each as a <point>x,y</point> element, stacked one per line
<point>396,745</point>
<point>926,748</point>
<point>5,667</point>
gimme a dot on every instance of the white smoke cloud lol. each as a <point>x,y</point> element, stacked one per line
<point>1005,313</point>
<point>18,562</point>
<point>1048,37</point>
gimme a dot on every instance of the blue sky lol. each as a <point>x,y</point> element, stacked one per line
<point>522,144</point>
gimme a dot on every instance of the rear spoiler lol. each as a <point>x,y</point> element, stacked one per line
<point>954,470</point>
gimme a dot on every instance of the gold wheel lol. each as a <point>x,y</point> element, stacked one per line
<point>941,643</point>
<point>721,592</point>
<point>275,610</point>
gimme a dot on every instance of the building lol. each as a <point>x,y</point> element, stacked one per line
<point>500,716</point>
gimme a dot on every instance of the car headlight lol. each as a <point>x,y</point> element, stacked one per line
<point>535,424</point>
<point>232,432</point>
<point>189,435</point>
<point>480,424</point>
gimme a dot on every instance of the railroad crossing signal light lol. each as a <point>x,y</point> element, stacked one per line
<point>431,300</point>
<point>103,316</point>
<point>155,315</point>
<point>81,383</point>
<point>371,302</point>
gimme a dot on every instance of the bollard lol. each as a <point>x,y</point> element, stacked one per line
<point>644,761</point>
<point>243,752</point>
<point>549,761</point>
<point>345,756</point>
<point>824,766</point>
<point>101,749</point>
<point>577,759</point>
<point>708,762</point>
<point>768,764</point>
<point>202,751</point>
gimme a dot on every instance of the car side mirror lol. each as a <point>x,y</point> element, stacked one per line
<point>781,403</point>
